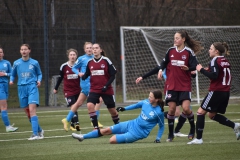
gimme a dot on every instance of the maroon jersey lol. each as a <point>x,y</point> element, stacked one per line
<point>219,74</point>
<point>100,72</point>
<point>178,79</point>
<point>71,81</point>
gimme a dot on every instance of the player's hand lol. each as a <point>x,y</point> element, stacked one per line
<point>138,80</point>
<point>104,89</point>
<point>199,67</point>
<point>11,83</point>
<point>184,67</point>
<point>160,75</point>
<point>55,91</point>
<point>120,109</point>
<point>38,83</point>
<point>157,141</point>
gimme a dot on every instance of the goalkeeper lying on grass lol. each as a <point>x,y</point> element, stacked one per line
<point>136,129</point>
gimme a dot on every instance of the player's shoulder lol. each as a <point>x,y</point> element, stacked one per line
<point>33,60</point>
<point>5,61</point>
<point>107,59</point>
<point>190,51</point>
<point>63,65</point>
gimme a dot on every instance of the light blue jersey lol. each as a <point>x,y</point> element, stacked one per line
<point>164,74</point>
<point>140,127</point>
<point>6,68</point>
<point>81,64</point>
<point>27,71</point>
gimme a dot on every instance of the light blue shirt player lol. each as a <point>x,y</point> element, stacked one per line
<point>29,73</point>
<point>139,128</point>
<point>5,67</point>
<point>81,64</point>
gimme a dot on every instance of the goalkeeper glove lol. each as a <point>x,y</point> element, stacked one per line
<point>120,109</point>
<point>157,141</point>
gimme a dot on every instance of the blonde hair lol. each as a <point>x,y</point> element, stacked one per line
<point>86,43</point>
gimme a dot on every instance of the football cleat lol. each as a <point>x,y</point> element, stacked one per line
<point>196,141</point>
<point>78,137</point>
<point>65,124</point>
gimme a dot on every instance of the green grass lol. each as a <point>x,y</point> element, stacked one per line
<point>219,141</point>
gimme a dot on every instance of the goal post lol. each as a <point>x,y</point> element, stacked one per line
<point>143,48</point>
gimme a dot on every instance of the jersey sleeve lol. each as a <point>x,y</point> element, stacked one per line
<point>165,61</point>
<point>212,73</point>
<point>77,66</point>
<point>9,71</point>
<point>38,72</point>
<point>192,62</point>
<point>14,72</point>
<point>134,106</point>
<point>152,72</point>
<point>59,79</point>
<point>87,73</point>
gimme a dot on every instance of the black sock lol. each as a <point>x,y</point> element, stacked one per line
<point>223,120</point>
<point>191,122</point>
<point>170,125</point>
<point>181,121</point>
<point>94,119</point>
<point>200,125</point>
<point>115,119</point>
<point>75,118</point>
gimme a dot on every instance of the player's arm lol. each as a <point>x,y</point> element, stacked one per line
<point>13,74</point>
<point>59,80</point>
<point>213,73</point>
<point>161,127</point>
<point>130,107</point>
<point>9,70</point>
<point>76,66</point>
<point>192,62</point>
<point>87,73</point>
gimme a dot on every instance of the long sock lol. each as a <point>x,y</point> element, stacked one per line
<point>94,120</point>
<point>92,134</point>
<point>75,118</point>
<point>165,114</point>
<point>70,115</point>
<point>115,119</point>
<point>98,114</point>
<point>200,125</point>
<point>5,118</point>
<point>170,125</point>
<point>191,122</point>
<point>39,128</point>
<point>223,120</point>
<point>181,121</point>
<point>34,122</point>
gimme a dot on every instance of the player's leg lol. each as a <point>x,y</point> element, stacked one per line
<point>66,121</point>
<point>177,113</point>
<point>172,103</point>
<point>3,108</point>
<point>97,109</point>
<point>33,102</point>
<point>220,100</point>
<point>92,100</point>
<point>110,103</point>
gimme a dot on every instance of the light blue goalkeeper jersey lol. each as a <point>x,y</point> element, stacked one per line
<point>5,66</point>
<point>81,64</point>
<point>27,71</point>
<point>150,116</point>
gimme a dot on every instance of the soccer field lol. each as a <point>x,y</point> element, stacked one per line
<point>219,142</point>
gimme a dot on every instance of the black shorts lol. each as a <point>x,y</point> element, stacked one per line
<point>177,96</point>
<point>108,100</point>
<point>71,100</point>
<point>216,101</point>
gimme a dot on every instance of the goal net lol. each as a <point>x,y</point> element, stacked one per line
<point>56,99</point>
<point>143,48</point>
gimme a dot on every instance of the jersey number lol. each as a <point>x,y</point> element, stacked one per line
<point>226,71</point>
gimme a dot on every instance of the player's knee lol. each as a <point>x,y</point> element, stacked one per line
<point>113,140</point>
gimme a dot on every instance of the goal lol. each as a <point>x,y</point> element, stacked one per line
<point>143,48</point>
